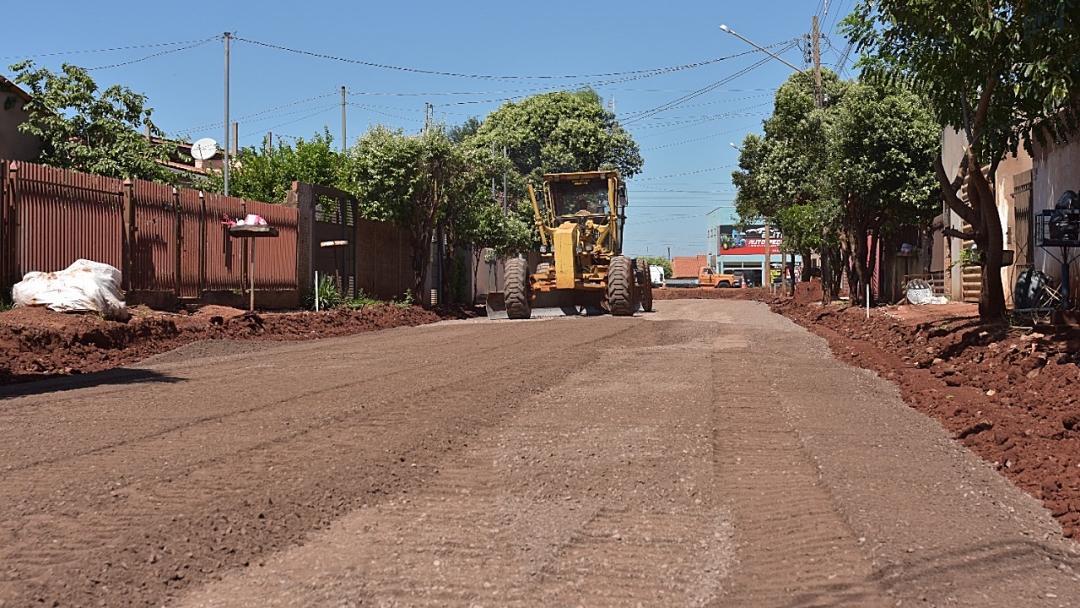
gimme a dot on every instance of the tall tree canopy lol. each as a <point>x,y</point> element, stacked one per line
<point>835,179</point>
<point>559,132</point>
<point>783,176</point>
<point>90,130</point>
<point>1005,72</point>
<point>267,174</point>
<point>881,152</point>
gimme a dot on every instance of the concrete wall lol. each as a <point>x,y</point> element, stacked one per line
<point>1056,169</point>
<point>13,144</point>
<point>952,152</point>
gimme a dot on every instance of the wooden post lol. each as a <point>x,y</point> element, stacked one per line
<point>179,246</point>
<point>128,196</point>
<point>9,199</point>
<point>252,273</point>
<point>202,243</point>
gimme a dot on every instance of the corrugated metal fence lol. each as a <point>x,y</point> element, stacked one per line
<point>163,239</point>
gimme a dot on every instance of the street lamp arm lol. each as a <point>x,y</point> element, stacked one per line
<point>760,48</point>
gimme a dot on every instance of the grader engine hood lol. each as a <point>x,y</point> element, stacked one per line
<point>565,244</point>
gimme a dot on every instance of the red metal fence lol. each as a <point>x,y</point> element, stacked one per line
<point>163,239</point>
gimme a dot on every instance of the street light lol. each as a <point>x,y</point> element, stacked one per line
<point>760,48</point>
<point>732,144</point>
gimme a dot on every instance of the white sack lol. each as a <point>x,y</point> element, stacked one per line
<point>85,286</point>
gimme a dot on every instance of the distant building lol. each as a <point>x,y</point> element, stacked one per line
<point>740,250</point>
<point>13,144</point>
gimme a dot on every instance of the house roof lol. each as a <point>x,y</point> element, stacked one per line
<point>6,86</point>
<point>686,267</point>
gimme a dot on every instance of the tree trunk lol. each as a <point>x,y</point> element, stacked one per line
<point>991,243</point>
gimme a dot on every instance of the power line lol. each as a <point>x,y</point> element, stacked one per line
<point>259,113</point>
<point>108,50</point>
<point>696,139</point>
<point>370,109</point>
<point>652,71</point>
<point>642,179</point>
<point>671,104</point>
<point>159,54</point>
<point>322,111</point>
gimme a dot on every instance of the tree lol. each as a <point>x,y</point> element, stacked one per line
<point>84,129</point>
<point>405,179</point>
<point>788,167</point>
<point>559,132</point>
<point>267,174</point>
<point>881,152</point>
<point>1003,71</point>
<point>470,216</point>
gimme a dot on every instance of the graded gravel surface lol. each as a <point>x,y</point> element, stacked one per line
<point>709,453</point>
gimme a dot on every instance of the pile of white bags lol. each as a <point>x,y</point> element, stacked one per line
<point>84,286</point>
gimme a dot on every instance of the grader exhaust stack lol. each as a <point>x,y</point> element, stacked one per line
<point>580,268</point>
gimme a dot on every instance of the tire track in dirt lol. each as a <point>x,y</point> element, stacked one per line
<point>199,469</point>
<point>571,501</point>
<point>785,520</point>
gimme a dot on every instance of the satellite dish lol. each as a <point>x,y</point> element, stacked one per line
<point>204,149</point>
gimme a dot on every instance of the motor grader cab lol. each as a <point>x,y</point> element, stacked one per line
<point>580,267</point>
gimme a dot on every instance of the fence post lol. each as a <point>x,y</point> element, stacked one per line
<point>179,239</point>
<point>9,193</point>
<point>303,196</point>
<point>128,195</point>
<point>202,243</point>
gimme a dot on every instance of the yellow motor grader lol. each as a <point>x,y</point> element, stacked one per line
<point>580,268</point>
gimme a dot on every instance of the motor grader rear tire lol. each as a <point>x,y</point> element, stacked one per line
<point>620,286</point>
<point>516,293</point>
<point>646,285</point>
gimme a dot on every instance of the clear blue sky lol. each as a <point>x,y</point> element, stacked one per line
<point>688,159</point>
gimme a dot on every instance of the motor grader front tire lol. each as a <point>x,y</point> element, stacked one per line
<point>620,287</point>
<point>516,292</point>
<point>646,285</point>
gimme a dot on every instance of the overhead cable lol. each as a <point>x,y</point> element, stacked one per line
<point>652,71</point>
<point>676,102</point>
<point>108,50</point>
<point>158,54</point>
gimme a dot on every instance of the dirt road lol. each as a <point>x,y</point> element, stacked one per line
<point>708,453</point>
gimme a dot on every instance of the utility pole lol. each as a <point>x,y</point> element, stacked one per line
<point>819,103</point>
<point>819,97</point>
<point>767,282</point>
<point>506,199</point>
<point>344,141</point>
<point>228,36</point>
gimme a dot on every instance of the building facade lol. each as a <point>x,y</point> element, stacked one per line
<point>740,249</point>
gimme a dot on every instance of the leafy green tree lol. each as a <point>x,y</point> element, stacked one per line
<point>470,216</point>
<point>882,146</point>
<point>407,179</point>
<point>559,132</point>
<point>788,168</point>
<point>86,129</point>
<point>458,134</point>
<point>267,174</point>
<point>1004,72</point>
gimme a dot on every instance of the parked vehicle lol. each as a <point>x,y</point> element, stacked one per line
<point>656,275</point>
<point>707,277</point>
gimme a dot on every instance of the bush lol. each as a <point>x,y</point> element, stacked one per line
<point>328,292</point>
